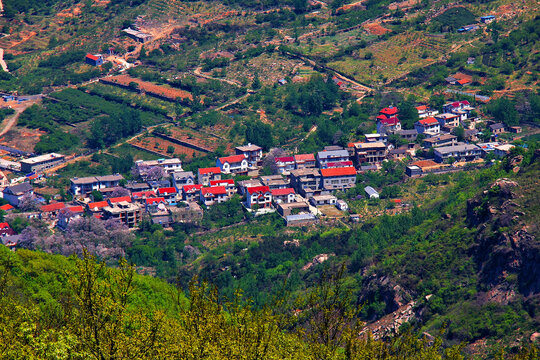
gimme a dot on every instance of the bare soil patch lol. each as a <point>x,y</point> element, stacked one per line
<point>376,29</point>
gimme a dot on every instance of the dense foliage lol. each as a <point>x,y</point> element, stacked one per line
<point>55,308</point>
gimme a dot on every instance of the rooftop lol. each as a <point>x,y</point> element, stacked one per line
<point>344,171</point>
<point>232,159</point>
<point>461,147</point>
<point>248,147</point>
<point>42,158</point>
<point>428,121</point>
<point>281,192</point>
<point>214,190</point>
<point>258,189</point>
<point>210,170</point>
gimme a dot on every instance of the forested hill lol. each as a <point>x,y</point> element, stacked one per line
<point>52,307</point>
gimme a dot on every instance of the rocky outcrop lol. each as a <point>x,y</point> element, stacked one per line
<point>508,256</point>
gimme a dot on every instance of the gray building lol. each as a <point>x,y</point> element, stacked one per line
<point>181,178</point>
<point>371,192</point>
<point>305,181</point>
<point>331,154</point>
<point>42,162</point>
<point>467,152</point>
<point>85,185</point>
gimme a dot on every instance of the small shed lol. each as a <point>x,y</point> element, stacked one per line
<point>413,171</point>
<point>371,192</point>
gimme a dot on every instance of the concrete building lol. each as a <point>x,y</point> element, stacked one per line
<point>286,195</point>
<point>331,154</point>
<point>213,195</point>
<point>191,193</point>
<point>205,175</point>
<point>128,213</point>
<point>253,153</point>
<point>428,126</point>
<point>137,35</point>
<point>371,153</point>
<point>424,111</point>
<point>319,200</point>
<point>234,164</point>
<point>274,182</point>
<point>338,178</point>
<point>182,178</point>
<point>42,162</point>
<point>448,119</point>
<point>85,185</point>
<point>303,161</point>
<point>14,194</point>
<point>259,196</point>
<point>441,140</point>
<point>466,152</point>
<point>169,166</point>
<point>306,181</point>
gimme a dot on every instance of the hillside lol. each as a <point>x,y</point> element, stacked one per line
<point>443,263</point>
<point>58,308</point>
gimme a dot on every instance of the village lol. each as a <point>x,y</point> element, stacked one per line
<point>301,188</point>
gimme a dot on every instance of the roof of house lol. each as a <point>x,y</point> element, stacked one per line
<point>438,138</point>
<point>118,199</point>
<point>191,188</point>
<point>4,225</point>
<point>428,121</point>
<point>332,153</point>
<point>497,126</point>
<point>258,189</point>
<point>340,164</point>
<point>391,110</point>
<point>463,81</point>
<point>93,57</point>
<point>19,188</point>
<point>210,170</point>
<point>222,181</point>
<point>425,163</point>
<point>304,157</point>
<point>231,159</point>
<point>462,102</point>
<point>97,205</point>
<point>157,200</point>
<point>461,147</point>
<point>167,190</point>
<point>215,190</point>
<point>344,171</point>
<point>281,192</point>
<point>446,116</point>
<point>284,159</point>
<point>182,174</point>
<point>370,190</point>
<point>6,207</point>
<point>76,209</point>
<point>53,207</point>
<point>389,121</point>
<point>421,107</point>
<point>141,194</point>
<point>248,147</point>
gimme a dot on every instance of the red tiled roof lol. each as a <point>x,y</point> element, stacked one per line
<point>344,171</point>
<point>189,188</point>
<point>98,204</point>
<point>284,159</point>
<point>428,121</point>
<point>165,191</point>
<point>304,157</point>
<point>231,159</point>
<point>389,111</point>
<point>53,207</point>
<point>339,164</point>
<point>223,181</point>
<point>421,107</point>
<point>140,194</point>
<point>281,192</point>
<point>4,225</point>
<point>213,170</point>
<point>92,57</point>
<point>256,189</point>
<point>6,207</point>
<point>76,209</point>
<point>115,200</point>
<point>214,190</point>
<point>462,102</point>
<point>463,81</point>
<point>152,201</point>
<point>389,121</point>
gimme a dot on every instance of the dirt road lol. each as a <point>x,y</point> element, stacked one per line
<point>2,62</point>
<point>10,121</point>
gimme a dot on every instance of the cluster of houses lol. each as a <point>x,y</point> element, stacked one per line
<point>299,185</point>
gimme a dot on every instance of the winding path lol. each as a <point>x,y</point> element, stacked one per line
<point>2,62</point>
